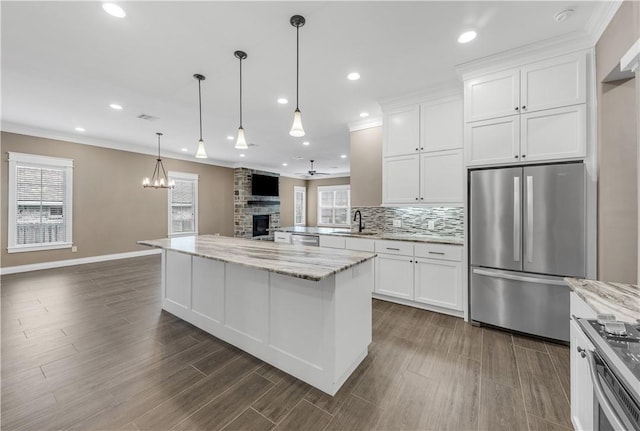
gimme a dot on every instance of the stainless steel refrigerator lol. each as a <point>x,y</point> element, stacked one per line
<point>527,232</point>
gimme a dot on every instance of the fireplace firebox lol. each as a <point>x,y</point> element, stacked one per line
<point>261,225</point>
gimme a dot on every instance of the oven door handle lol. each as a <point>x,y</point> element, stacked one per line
<point>603,401</point>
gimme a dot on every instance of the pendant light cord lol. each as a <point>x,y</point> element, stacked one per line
<point>241,92</point>
<point>200,106</point>
<point>297,64</point>
<point>158,147</point>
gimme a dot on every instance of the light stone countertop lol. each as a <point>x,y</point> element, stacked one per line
<point>622,300</point>
<point>309,263</point>
<point>436,239</point>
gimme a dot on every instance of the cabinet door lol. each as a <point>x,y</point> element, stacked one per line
<point>329,241</point>
<point>493,141</point>
<point>401,179</point>
<point>394,276</point>
<point>492,96</point>
<point>402,131</point>
<point>554,134</point>
<point>441,176</point>
<point>441,126</point>
<point>582,414</point>
<point>553,83</point>
<point>439,283</point>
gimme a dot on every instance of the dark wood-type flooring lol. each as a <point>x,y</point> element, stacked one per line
<point>88,348</point>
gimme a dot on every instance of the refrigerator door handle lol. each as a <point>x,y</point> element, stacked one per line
<point>516,219</point>
<point>529,237</point>
<point>518,277</point>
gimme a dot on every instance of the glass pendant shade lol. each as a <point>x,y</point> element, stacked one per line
<point>201,153</point>
<point>241,143</point>
<point>296,129</point>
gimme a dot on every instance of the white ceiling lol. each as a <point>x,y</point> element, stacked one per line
<point>63,63</point>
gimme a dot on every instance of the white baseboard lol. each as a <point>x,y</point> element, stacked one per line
<point>79,261</point>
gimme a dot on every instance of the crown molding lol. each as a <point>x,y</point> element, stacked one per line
<point>365,124</point>
<point>601,18</point>
<point>282,173</point>
<point>130,147</point>
<point>547,48</point>
<point>436,93</point>
<point>631,60</point>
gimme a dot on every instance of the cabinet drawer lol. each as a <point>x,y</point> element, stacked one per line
<point>439,251</point>
<point>394,247</point>
<point>359,244</point>
<point>332,241</point>
<point>284,237</point>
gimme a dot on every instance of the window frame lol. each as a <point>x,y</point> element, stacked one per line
<point>333,189</point>
<point>43,162</point>
<point>182,176</point>
<point>303,190</point>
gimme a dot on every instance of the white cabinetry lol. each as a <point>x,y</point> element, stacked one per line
<point>534,113</point>
<point>438,275</point>
<point>582,413</point>
<point>331,241</point>
<point>394,276</point>
<point>424,165</point>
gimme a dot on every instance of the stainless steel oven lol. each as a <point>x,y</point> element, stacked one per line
<point>613,366</point>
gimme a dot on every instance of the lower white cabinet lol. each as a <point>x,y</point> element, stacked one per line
<point>582,413</point>
<point>331,241</point>
<point>439,283</point>
<point>394,276</point>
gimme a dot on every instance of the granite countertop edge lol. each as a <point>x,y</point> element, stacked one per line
<point>304,276</point>
<point>620,299</point>
<point>379,236</point>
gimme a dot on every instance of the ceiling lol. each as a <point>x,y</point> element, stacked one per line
<point>63,63</point>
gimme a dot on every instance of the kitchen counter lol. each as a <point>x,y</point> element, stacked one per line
<point>436,239</point>
<point>622,300</point>
<point>309,263</point>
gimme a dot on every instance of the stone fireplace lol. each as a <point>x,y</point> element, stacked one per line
<point>255,217</point>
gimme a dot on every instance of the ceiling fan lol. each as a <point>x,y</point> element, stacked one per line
<point>311,172</point>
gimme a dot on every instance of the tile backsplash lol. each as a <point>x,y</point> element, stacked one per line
<point>446,221</point>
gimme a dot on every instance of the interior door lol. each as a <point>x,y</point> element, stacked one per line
<point>496,218</point>
<point>554,219</point>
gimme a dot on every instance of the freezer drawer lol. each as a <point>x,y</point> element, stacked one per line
<point>528,303</point>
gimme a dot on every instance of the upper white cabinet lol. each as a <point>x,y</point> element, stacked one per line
<point>491,96</point>
<point>402,131</point>
<point>424,164</point>
<point>533,113</point>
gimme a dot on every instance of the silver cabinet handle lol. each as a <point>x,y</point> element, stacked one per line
<point>519,278</point>
<point>529,238</point>
<point>516,219</point>
<point>437,252</point>
<point>604,403</point>
<point>391,248</point>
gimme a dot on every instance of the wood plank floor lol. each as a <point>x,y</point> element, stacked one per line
<point>88,348</point>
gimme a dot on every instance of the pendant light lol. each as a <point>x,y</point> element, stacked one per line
<point>201,153</point>
<point>241,143</point>
<point>296,129</point>
<point>159,179</point>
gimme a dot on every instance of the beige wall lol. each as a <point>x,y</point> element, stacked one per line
<point>286,198</point>
<point>312,196</point>
<point>617,153</point>
<point>111,210</point>
<point>366,167</point>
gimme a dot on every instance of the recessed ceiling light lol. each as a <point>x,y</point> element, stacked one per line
<point>184,149</point>
<point>563,14</point>
<point>353,76</point>
<point>283,101</point>
<point>231,138</point>
<point>242,155</point>
<point>467,36</point>
<point>343,156</point>
<point>364,114</point>
<point>115,106</point>
<point>114,10</point>
<point>285,164</point>
<point>306,143</point>
<point>79,129</point>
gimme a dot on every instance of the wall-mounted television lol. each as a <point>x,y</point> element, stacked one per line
<point>264,185</point>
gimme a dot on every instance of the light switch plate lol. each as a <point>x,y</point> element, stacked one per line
<point>397,222</point>
<point>431,224</point>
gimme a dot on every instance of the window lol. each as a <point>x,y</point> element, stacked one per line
<point>40,202</point>
<point>299,206</point>
<point>334,205</point>
<point>183,204</point>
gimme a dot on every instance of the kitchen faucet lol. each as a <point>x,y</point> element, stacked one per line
<point>360,224</point>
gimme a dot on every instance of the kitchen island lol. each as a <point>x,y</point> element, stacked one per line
<point>304,310</point>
